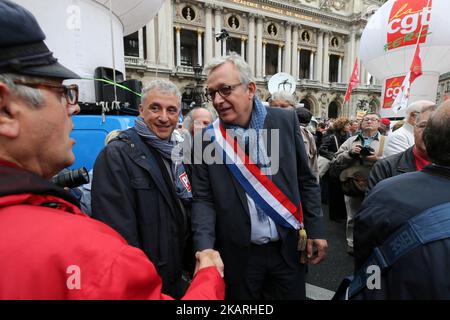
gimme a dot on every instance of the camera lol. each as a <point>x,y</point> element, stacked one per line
<point>71,178</point>
<point>366,151</point>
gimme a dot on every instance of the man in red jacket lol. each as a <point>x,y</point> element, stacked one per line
<point>49,249</point>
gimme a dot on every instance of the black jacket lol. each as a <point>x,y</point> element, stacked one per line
<point>131,192</point>
<point>328,147</point>
<point>422,273</point>
<point>220,213</point>
<point>391,166</point>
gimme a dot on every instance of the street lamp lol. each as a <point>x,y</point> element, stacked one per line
<point>198,90</point>
<point>222,36</point>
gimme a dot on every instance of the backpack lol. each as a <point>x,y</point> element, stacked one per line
<point>431,225</point>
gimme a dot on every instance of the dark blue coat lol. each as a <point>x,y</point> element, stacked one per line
<point>131,193</point>
<point>220,213</point>
<point>423,273</point>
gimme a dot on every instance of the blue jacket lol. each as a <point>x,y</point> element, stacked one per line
<point>423,273</point>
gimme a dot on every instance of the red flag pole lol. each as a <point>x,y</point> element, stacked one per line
<point>354,80</point>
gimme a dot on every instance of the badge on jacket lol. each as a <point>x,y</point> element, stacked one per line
<point>185,180</point>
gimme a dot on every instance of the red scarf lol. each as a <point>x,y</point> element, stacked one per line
<point>8,164</point>
<point>420,160</point>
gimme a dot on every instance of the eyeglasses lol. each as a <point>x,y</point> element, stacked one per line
<point>421,125</point>
<point>370,120</point>
<point>70,92</point>
<point>224,91</point>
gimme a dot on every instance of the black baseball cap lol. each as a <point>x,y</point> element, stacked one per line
<point>22,47</point>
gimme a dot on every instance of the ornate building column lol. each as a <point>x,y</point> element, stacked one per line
<point>326,58</point>
<point>351,56</point>
<point>208,34</point>
<point>264,58</point>
<point>178,45</point>
<point>217,28</point>
<point>340,70</point>
<point>280,52</point>
<point>165,55</point>
<point>141,43</point>
<point>287,48</point>
<point>356,54</point>
<point>243,39</point>
<point>259,53</point>
<point>319,56</point>
<point>169,37</point>
<point>295,56</point>
<point>297,75</point>
<point>311,65</point>
<point>199,47</point>
<point>251,42</point>
<point>151,42</point>
<point>224,47</point>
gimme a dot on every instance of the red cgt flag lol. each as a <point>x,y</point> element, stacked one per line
<point>354,80</point>
<point>416,65</point>
<point>415,71</point>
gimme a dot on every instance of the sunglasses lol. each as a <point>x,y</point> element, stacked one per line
<point>70,92</point>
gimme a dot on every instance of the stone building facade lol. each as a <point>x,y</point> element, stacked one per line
<point>316,41</point>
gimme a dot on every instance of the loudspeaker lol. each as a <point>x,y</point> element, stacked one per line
<point>106,74</point>
<point>105,92</point>
<point>133,99</point>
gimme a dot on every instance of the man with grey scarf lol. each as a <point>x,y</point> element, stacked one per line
<point>141,189</point>
<point>259,252</point>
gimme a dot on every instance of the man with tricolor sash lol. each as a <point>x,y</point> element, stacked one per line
<point>258,203</point>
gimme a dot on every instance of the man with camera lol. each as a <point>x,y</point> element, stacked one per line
<point>355,158</point>
<point>49,249</point>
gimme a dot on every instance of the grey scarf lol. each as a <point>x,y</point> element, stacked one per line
<point>165,149</point>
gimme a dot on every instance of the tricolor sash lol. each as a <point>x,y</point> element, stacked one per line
<point>257,185</point>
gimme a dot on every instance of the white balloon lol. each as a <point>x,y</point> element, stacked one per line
<point>387,61</point>
<point>80,34</point>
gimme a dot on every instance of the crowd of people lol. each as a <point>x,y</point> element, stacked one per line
<point>241,220</point>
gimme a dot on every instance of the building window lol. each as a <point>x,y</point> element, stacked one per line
<point>188,13</point>
<point>272,30</point>
<point>305,60</point>
<point>188,47</point>
<point>234,45</point>
<point>271,59</point>
<point>233,22</point>
<point>131,45</point>
<point>334,68</point>
<point>333,110</point>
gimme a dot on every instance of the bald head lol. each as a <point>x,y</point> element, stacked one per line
<point>201,118</point>
<point>436,135</point>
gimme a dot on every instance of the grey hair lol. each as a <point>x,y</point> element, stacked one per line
<point>283,95</point>
<point>245,72</point>
<point>163,85</point>
<point>417,106</point>
<point>430,108</point>
<point>187,123</point>
<point>31,95</point>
